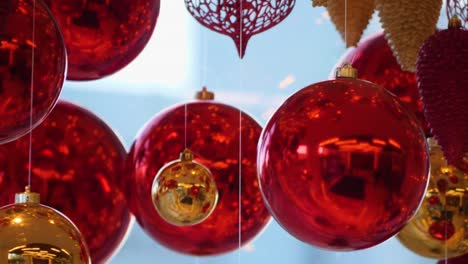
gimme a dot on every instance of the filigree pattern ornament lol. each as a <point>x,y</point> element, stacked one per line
<point>458,8</point>
<point>240,19</point>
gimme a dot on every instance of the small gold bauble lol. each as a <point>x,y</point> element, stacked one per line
<point>439,228</point>
<point>35,233</point>
<point>184,191</point>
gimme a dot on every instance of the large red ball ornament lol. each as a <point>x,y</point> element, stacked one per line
<point>443,83</point>
<point>28,61</point>
<point>213,137</point>
<point>76,162</point>
<point>342,164</point>
<point>103,36</point>
<point>240,19</point>
<point>374,61</point>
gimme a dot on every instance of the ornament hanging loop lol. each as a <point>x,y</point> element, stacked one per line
<point>204,94</point>
<point>27,196</point>
<point>346,71</point>
<point>186,155</point>
<point>454,22</point>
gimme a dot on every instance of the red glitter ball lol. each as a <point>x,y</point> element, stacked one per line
<point>343,165</point>
<point>101,36</point>
<point>213,136</point>
<point>16,67</point>
<point>375,62</point>
<point>240,19</point>
<point>458,260</point>
<point>434,200</point>
<point>76,161</point>
<point>442,230</point>
<point>442,76</point>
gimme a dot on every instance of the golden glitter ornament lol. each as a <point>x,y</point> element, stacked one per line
<point>440,227</point>
<point>184,191</point>
<point>34,233</point>
<point>407,24</point>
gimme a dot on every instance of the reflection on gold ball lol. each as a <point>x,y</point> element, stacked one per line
<point>184,191</point>
<point>34,233</point>
<point>440,227</point>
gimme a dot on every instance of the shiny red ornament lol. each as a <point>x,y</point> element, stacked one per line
<point>18,46</point>
<point>458,260</point>
<point>342,164</point>
<point>76,162</point>
<point>374,61</point>
<point>443,84</point>
<point>103,36</point>
<point>213,137</point>
<point>240,19</point>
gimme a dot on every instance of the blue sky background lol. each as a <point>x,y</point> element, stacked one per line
<point>180,58</point>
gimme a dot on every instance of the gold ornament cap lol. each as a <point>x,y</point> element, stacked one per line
<point>346,71</point>
<point>186,155</point>
<point>27,196</point>
<point>454,22</point>
<point>204,94</point>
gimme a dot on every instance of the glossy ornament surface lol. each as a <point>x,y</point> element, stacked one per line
<point>342,164</point>
<point>77,161</point>
<point>35,233</point>
<point>240,19</point>
<point>213,137</point>
<point>439,228</point>
<point>442,76</point>
<point>17,70</point>
<point>184,191</point>
<point>101,36</point>
<point>374,61</point>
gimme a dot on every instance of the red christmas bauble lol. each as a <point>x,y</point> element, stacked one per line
<point>458,260</point>
<point>213,137</point>
<point>76,162</point>
<point>240,19</point>
<point>443,83</point>
<point>101,36</point>
<point>342,164</point>
<point>374,61</point>
<point>18,46</point>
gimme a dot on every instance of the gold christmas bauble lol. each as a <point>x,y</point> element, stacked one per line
<point>184,191</point>
<point>440,227</point>
<point>34,233</point>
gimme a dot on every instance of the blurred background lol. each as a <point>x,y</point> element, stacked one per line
<point>183,56</point>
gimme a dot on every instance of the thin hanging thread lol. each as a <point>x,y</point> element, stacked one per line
<point>240,138</point>
<point>205,58</point>
<point>32,91</point>
<point>185,126</point>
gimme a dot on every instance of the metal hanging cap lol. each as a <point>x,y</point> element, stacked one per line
<point>204,94</point>
<point>27,196</point>
<point>346,71</point>
<point>454,22</point>
<point>186,155</point>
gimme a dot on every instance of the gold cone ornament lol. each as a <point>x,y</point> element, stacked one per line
<point>439,228</point>
<point>184,191</point>
<point>34,233</point>
<point>359,13</point>
<point>407,24</point>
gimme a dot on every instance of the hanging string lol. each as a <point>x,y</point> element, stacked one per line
<point>185,126</point>
<point>32,90</point>
<point>204,58</point>
<point>241,22</point>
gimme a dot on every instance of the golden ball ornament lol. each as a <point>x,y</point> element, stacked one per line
<point>34,233</point>
<point>184,191</point>
<point>439,228</point>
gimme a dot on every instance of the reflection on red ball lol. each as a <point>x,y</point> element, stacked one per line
<point>76,161</point>
<point>103,36</point>
<point>342,164</point>
<point>16,66</point>
<point>375,62</point>
<point>213,136</point>
<point>458,260</point>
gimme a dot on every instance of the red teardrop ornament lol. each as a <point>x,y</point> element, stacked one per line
<point>17,70</point>
<point>240,19</point>
<point>213,137</point>
<point>76,162</point>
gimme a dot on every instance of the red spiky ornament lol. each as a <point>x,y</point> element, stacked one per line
<point>239,19</point>
<point>443,84</point>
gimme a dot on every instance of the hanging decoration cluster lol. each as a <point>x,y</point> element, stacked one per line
<point>19,74</point>
<point>439,227</point>
<point>240,19</point>
<point>442,76</point>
